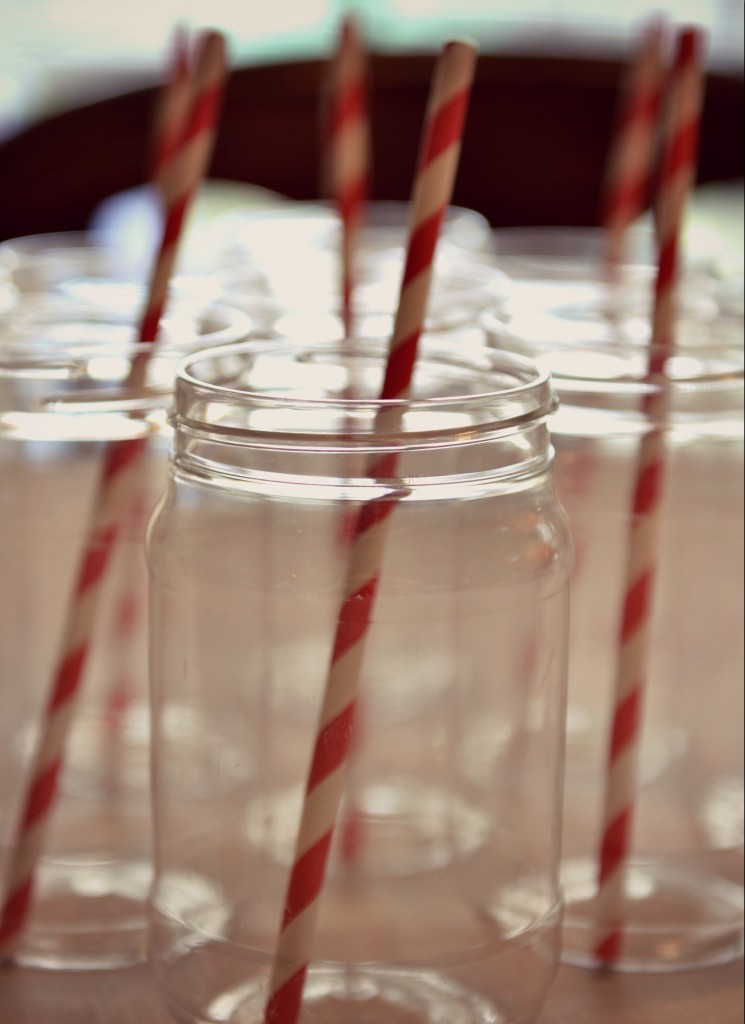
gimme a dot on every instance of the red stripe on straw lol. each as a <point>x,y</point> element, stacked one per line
<point>620,791</point>
<point>648,488</point>
<point>453,77</point>
<point>445,129</point>
<point>332,745</point>
<point>610,948</point>
<point>422,246</point>
<point>205,112</point>
<point>625,723</point>
<point>353,617</point>
<point>690,42</point>
<point>118,460</point>
<point>114,488</point>
<point>15,911</point>
<point>67,678</point>
<point>284,1005</point>
<point>374,512</point>
<point>306,879</point>
<point>97,555</point>
<point>636,606</point>
<point>350,105</point>
<point>634,194</point>
<point>401,364</point>
<point>644,106</point>
<point>667,263</point>
<point>615,844</point>
<point>350,201</point>
<point>42,794</point>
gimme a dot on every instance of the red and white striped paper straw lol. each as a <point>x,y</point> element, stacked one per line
<point>172,110</point>
<point>347,145</point>
<point>114,491</point>
<point>188,106</point>
<point>348,158</point>
<point>434,179</point>
<point>170,124</point>
<point>677,175</point>
<point>187,168</point>
<point>630,169</point>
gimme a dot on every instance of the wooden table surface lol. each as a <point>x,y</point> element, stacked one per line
<point>710,996</point>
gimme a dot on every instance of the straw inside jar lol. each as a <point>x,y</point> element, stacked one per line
<point>678,170</point>
<point>114,492</point>
<point>433,184</point>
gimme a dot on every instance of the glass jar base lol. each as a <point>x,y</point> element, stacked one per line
<point>678,918</point>
<point>360,996</point>
<point>212,964</point>
<point>87,914</point>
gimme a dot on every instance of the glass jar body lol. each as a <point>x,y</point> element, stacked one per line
<point>73,624</point>
<point>440,893</point>
<point>683,870</point>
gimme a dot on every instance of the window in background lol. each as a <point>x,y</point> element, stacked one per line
<point>57,53</point>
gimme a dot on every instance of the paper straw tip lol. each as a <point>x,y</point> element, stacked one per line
<point>690,44</point>
<point>458,56</point>
<point>212,44</point>
<point>349,28</point>
<point>655,26</point>
<point>461,43</point>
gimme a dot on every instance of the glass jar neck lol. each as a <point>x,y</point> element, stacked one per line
<point>311,411</point>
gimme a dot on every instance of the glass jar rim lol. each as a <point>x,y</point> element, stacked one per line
<point>33,347</point>
<point>462,289</point>
<point>322,216</point>
<point>98,256</point>
<point>609,365</point>
<point>51,243</point>
<point>524,395</point>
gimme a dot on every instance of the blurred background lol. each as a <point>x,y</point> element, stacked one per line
<point>55,54</point>
<point>80,79</point>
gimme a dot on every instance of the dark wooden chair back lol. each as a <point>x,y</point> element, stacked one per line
<point>534,149</point>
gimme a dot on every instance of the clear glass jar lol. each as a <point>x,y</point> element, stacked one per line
<point>301,297</point>
<point>307,302</point>
<point>62,401</point>
<point>265,233</point>
<point>447,906</point>
<point>96,269</point>
<point>682,881</point>
<point>560,280</point>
